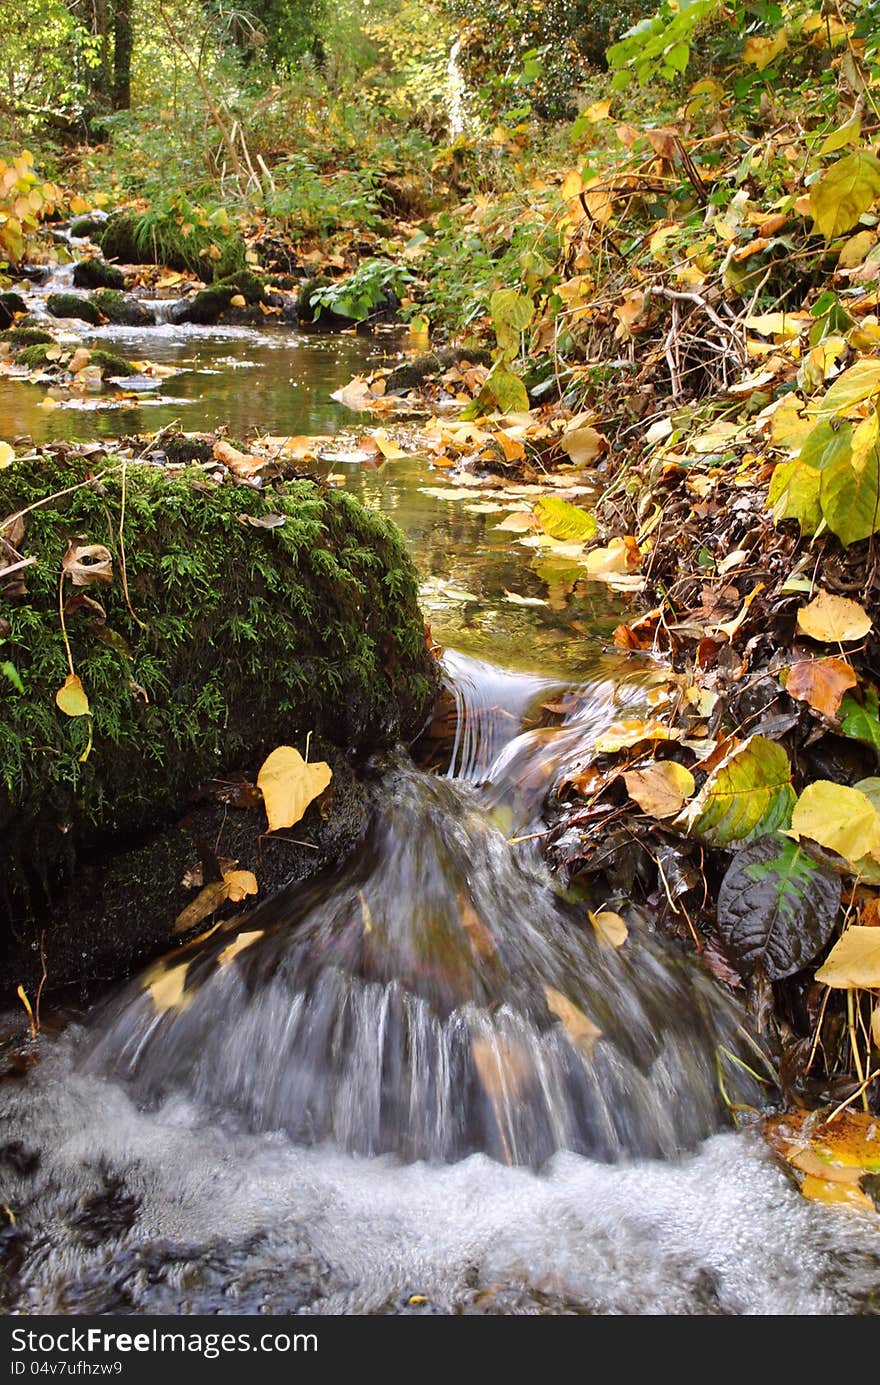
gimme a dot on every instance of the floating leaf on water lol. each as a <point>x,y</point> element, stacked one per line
<point>748,795</point>
<point>387,446</point>
<point>831,1159</point>
<point>834,619</point>
<point>562,520</point>
<point>289,784</point>
<point>71,697</point>
<point>610,928</point>
<point>238,944</point>
<point>853,962</point>
<point>776,907</point>
<point>581,1031</point>
<point>516,600</point>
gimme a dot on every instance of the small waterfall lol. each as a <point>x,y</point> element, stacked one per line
<point>161,308</point>
<point>435,997</point>
<point>456,94</point>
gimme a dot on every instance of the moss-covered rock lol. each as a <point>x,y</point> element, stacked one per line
<point>237,638</point>
<point>97,274</point>
<point>209,305</point>
<point>312,315</point>
<point>33,356</point>
<point>71,305</point>
<point>147,238</point>
<point>121,309</point>
<point>27,336</point>
<point>87,225</point>
<point>111,364</point>
<point>10,305</point>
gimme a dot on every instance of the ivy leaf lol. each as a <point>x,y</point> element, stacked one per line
<point>776,907</point>
<point>562,520</point>
<point>861,722</point>
<point>747,796</point>
<point>842,194</point>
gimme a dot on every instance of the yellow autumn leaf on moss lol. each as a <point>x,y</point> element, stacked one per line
<point>854,961</point>
<point>834,619</point>
<point>289,784</point>
<point>71,697</point>
<point>839,818</point>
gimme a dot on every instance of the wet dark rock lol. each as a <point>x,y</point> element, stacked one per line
<point>311,316</point>
<point>121,309</point>
<point>97,274</point>
<point>10,305</point>
<point>67,305</point>
<point>90,225</point>
<point>211,304</point>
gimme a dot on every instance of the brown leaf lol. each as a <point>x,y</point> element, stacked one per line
<point>85,563</point>
<point>235,885</point>
<point>821,683</point>
<point>242,464</point>
<point>582,1032</point>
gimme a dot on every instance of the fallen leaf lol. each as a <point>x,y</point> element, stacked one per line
<point>610,928</point>
<point>238,944</point>
<point>837,817</point>
<point>622,735</point>
<point>581,1031</point>
<point>583,445</point>
<point>821,683</point>
<point>238,300</point>
<point>71,697</point>
<point>561,520</point>
<point>834,619</point>
<point>85,563</point>
<point>235,885</point>
<point>289,784</point>
<point>661,789</point>
<point>242,464</point>
<point>853,962</point>
<point>748,794</point>
<point>166,988</point>
<point>7,454</point>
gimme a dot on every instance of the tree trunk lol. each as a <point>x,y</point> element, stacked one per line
<point>123,43</point>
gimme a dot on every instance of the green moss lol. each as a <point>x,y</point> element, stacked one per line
<point>27,336</point>
<point>33,356</point>
<point>208,305</point>
<point>96,274</point>
<point>86,225</point>
<point>70,305</point>
<point>251,638</point>
<point>121,309</point>
<point>112,364</point>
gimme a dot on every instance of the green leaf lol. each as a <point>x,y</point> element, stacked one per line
<point>827,442</point>
<point>861,723</point>
<point>850,496</point>
<point>860,382</point>
<point>9,671</point>
<point>748,795</point>
<point>794,494</point>
<point>678,57</point>
<point>511,307</point>
<point>562,520</point>
<point>841,195</point>
<point>507,390</point>
<point>845,134</point>
<point>776,907</point>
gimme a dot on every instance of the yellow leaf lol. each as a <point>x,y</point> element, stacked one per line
<point>289,784</point>
<point>835,1194</point>
<point>760,52</point>
<point>599,110</point>
<point>621,735</point>
<point>581,1031</point>
<point>583,445</point>
<point>610,928</point>
<point>7,454</point>
<point>240,883</point>
<point>166,988</point>
<point>730,627</point>
<point>853,387</point>
<point>238,945</point>
<point>846,190</point>
<point>842,819</point>
<point>661,789</point>
<point>834,619</point>
<point>234,885</point>
<point>621,555</point>
<point>854,961</point>
<point>71,697</point>
<point>856,249</point>
<point>387,446</point>
<point>875,1026</point>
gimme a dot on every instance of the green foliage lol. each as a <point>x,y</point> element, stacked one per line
<point>659,46</point>
<point>360,294</point>
<point>179,233</point>
<point>307,203</point>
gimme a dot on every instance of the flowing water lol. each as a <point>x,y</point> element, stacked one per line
<point>424,1074</point>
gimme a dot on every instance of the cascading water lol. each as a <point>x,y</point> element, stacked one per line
<point>436,996</point>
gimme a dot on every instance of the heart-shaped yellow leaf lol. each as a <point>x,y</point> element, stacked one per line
<point>289,784</point>
<point>834,619</point>
<point>71,697</point>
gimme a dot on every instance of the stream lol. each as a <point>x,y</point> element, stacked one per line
<point>421,1084</point>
